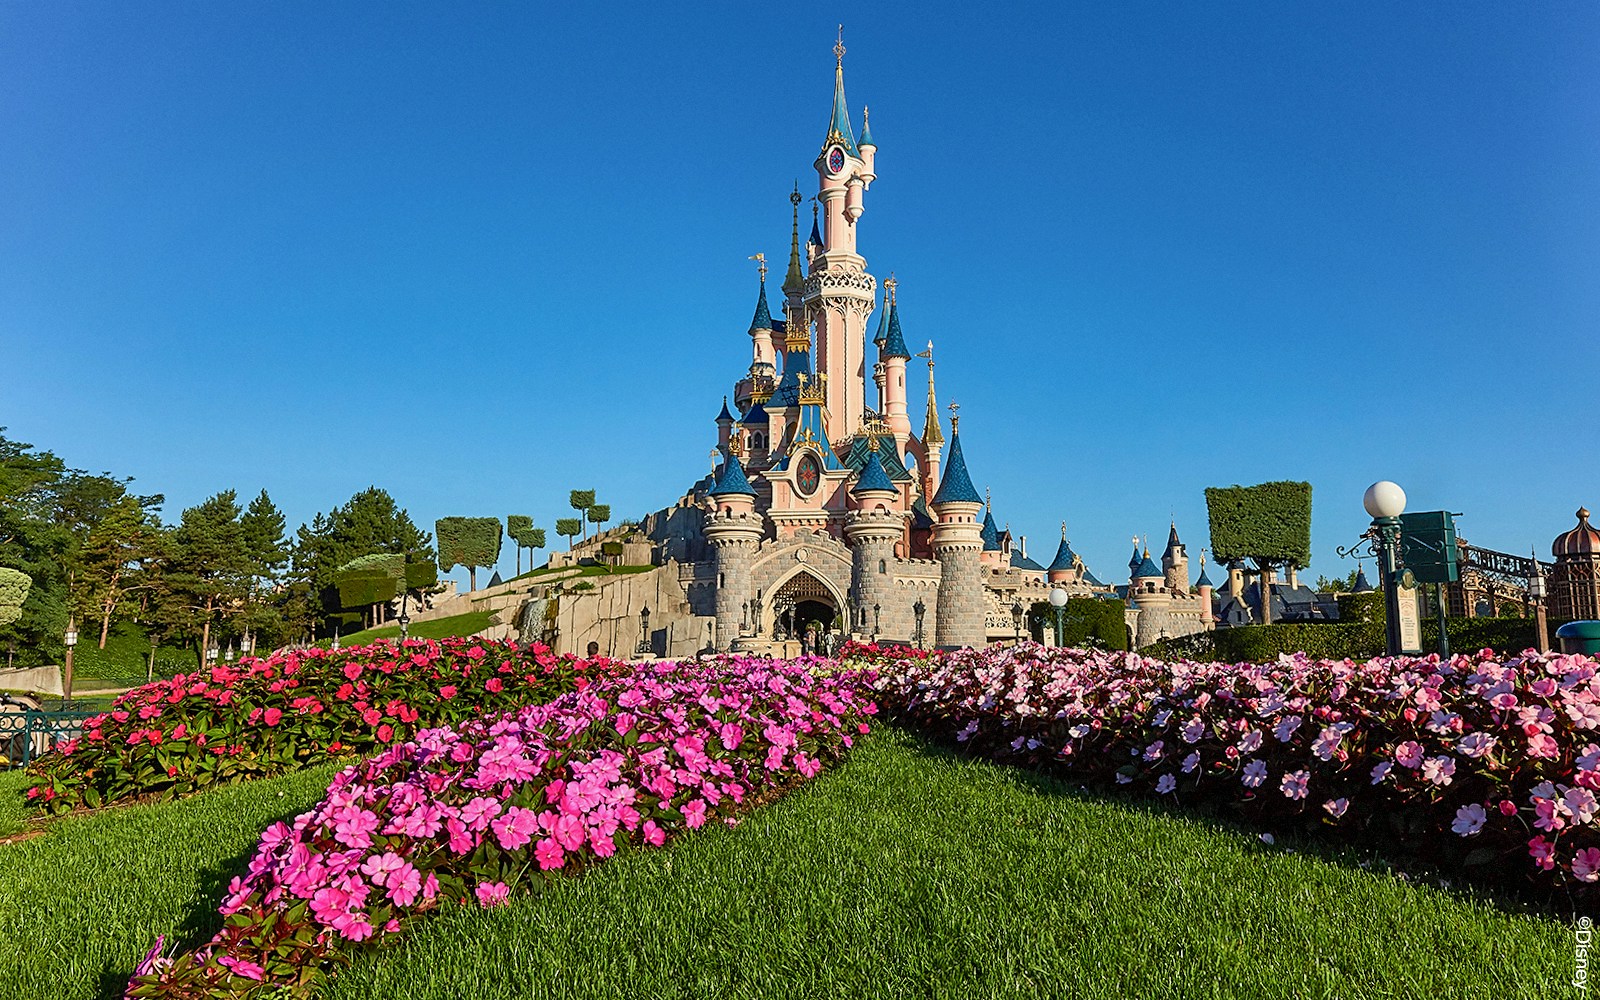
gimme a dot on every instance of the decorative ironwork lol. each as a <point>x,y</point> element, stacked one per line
<point>1503,565</point>
<point>29,733</point>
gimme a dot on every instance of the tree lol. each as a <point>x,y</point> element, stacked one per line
<point>1338,585</point>
<point>1268,524</point>
<point>569,527</point>
<point>207,576</point>
<point>516,526</point>
<point>599,513</point>
<point>469,542</point>
<point>369,522</point>
<point>14,586</point>
<point>581,501</point>
<point>377,579</point>
<point>532,540</point>
<point>111,563</point>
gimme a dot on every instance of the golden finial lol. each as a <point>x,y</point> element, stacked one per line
<point>838,48</point>
<point>988,499</point>
<point>955,417</point>
<point>1063,531</point>
<point>761,265</point>
<point>891,285</point>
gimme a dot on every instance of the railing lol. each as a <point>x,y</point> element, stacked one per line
<point>27,734</point>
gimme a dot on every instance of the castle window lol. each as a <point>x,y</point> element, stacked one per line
<point>722,579</point>
<point>883,566</point>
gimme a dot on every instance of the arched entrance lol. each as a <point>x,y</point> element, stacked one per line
<point>804,605</point>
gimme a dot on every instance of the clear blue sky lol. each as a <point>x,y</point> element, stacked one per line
<point>481,256</point>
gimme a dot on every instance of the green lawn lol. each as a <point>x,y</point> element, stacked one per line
<point>438,628</point>
<point>907,872</point>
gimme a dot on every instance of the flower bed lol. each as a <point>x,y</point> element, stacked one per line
<point>1484,761</point>
<point>475,813</point>
<point>270,715</point>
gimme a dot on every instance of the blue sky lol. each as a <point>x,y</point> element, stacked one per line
<point>483,255</point>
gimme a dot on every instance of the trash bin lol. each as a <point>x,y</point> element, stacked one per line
<point>1579,637</point>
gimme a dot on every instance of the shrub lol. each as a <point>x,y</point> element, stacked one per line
<point>1087,622</point>
<point>266,716</point>
<point>1479,762</point>
<point>502,805</point>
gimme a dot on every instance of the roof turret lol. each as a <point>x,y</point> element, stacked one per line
<point>763,317</point>
<point>1065,557</point>
<point>1172,539</point>
<point>1204,581</point>
<point>883,326</point>
<point>1147,568</point>
<point>957,485</point>
<point>1363,585</point>
<point>990,533</point>
<point>1582,540</point>
<point>725,416</point>
<point>894,345</point>
<point>1133,562</point>
<point>872,477</point>
<point>839,130</point>
<point>757,414</point>
<point>816,231</point>
<point>931,434</point>
<point>794,280</point>
<point>866,128</point>
<point>731,480</point>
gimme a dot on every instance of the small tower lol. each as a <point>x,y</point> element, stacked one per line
<point>1175,563</point>
<point>724,427</point>
<point>1203,585</point>
<point>1575,581</point>
<point>872,530</point>
<point>763,349</point>
<point>1147,577</point>
<point>932,436</point>
<point>1062,568</point>
<point>734,529</point>
<point>990,556</point>
<point>957,544</point>
<point>893,355</point>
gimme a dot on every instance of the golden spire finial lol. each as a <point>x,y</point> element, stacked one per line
<point>761,265</point>
<point>1063,531</point>
<point>988,499</point>
<point>955,417</point>
<point>838,49</point>
<point>796,198</point>
<point>891,285</point>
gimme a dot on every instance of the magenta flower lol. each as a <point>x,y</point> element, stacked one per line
<point>1408,754</point>
<point>1586,865</point>
<point>694,813</point>
<point>492,893</point>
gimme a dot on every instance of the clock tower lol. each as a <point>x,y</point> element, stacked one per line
<point>839,293</point>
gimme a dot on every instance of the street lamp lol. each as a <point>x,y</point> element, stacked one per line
<point>1016,620</point>
<point>1058,601</point>
<point>69,640</point>
<point>1536,593</point>
<point>1385,502</point>
<point>919,609</point>
<point>755,614</point>
<point>230,654</point>
<point>644,632</point>
<point>875,610</point>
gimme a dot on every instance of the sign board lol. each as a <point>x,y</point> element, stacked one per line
<point>1410,621</point>
<point>1428,546</point>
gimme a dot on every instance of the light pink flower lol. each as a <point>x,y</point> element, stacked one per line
<point>1294,784</point>
<point>1408,754</point>
<point>1469,819</point>
<point>1586,864</point>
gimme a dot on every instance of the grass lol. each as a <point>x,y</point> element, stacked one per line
<point>574,572</point>
<point>911,872</point>
<point>438,628</point>
<point>81,905</point>
<point>907,872</point>
<point>126,656</point>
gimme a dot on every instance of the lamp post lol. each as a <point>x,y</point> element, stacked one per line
<point>755,614</point>
<point>211,653</point>
<point>1058,601</point>
<point>69,640</point>
<point>744,617</point>
<point>1536,593</point>
<point>643,647</point>
<point>918,610</point>
<point>1016,621</point>
<point>875,610</point>
<point>1385,502</point>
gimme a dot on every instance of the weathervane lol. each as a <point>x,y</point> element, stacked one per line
<point>891,285</point>
<point>955,416</point>
<point>761,265</point>
<point>927,354</point>
<point>838,48</point>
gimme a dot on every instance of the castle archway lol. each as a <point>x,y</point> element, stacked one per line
<point>804,602</point>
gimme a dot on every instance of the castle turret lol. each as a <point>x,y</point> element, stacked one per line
<point>1063,568</point>
<point>932,436</point>
<point>872,530</point>
<point>990,535</point>
<point>957,544</point>
<point>763,349</point>
<point>1175,563</point>
<point>1203,585</point>
<point>724,426</point>
<point>734,530</point>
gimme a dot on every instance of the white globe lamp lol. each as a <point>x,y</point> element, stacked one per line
<point>1384,499</point>
<point>1058,598</point>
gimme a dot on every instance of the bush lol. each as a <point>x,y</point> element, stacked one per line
<point>475,813</point>
<point>266,716</point>
<point>1460,761</point>
<point>1264,643</point>
<point>1088,622</point>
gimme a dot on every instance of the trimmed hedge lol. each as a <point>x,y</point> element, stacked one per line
<point>1269,523</point>
<point>1090,623</point>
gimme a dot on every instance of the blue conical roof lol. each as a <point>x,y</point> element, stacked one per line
<point>957,485</point>
<point>724,415</point>
<point>731,480</point>
<point>866,128</point>
<point>894,346</point>
<point>1064,556</point>
<point>1133,563</point>
<point>872,476</point>
<point>1204,581</point>
<point>757,414</point>
<point>1363,586</point>
<point>990,534</point>
<point>883,327</point>
<point>816,234</point>
<point>763,318</point>
<point>839,129</point>
<point>1147,568</point>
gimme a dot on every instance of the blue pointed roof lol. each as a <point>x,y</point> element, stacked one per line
<point>1064,556</point>
<point>732,480</point>
<point>861,447</point>
<point>1204,581</point>
<point>1147,568</point>
<point>763,318</point>
<point>839,129</point>
<point>1091,579</point>
<point>816,234</point>
<point>1021,561</point>
<point>724,415</point>
<point>895,344</point>
<point>1133,563</point>
<point>872,476</point>
<point>796,361</point>
<point>957,485</point>
<point>990,534</point>
<point>883,327</point>
<point>866,129</point>
<point>1363,586</point>
<point>809,430</point>
<point>757,414</point>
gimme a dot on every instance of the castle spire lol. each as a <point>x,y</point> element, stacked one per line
<point>763,317</point>
<point>957,485</point>
<point>931,434</point>
<point>839,130</point>
<point>866,127</point>
<point>794,281</point>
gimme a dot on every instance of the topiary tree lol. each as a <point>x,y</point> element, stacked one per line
<point>599,514</point>
<point>1268,524</point>
<point>14,586</point>
<point>518,525</point>
<point>467,541</point>
<point>570,527</point>
<point>581,501</point>
<point>531,540</point>
<point>612,551</point>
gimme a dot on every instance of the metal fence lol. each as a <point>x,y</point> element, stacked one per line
<point>28,733</point>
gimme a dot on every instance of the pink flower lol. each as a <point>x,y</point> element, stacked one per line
<point>731,735</point>
<point>272,717</point>
<point>568,832</point>
<point>1336,807</point>
<point>549,854</point>
<point>492,893</point>
<point>1475,744</point>
<point>494,685</point>
<point>1153,751</point>
<point>515,828</point>
<point>379,867</point>
<point>653,834</point>
<point>241,967</point>
<point>1542,852</point>
<point>1580,803</point>
<point>1543,745</point>
<point>1294,784</point>
<point>1586,864</point>
<point>477,813</point>
<point>694,813</point>
<point>1409,754</point>
<point>1439,770</point>
<point>405,884</point>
